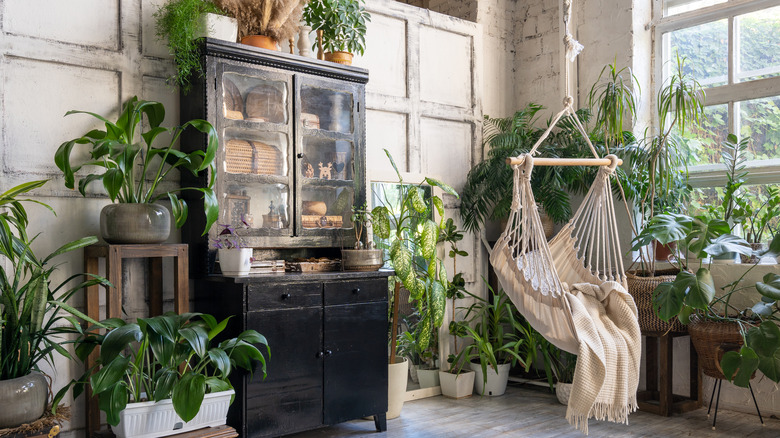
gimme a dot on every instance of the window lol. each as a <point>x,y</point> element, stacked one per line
<point>731,47</point>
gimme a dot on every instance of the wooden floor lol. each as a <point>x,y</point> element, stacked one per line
<point>527,411</point>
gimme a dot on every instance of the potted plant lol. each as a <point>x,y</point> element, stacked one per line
<point>133,216</point>
<point>265,23</point>
<point>164,368</point>
<point>410,236</point>
<point>341,24</point>
<point>364,256</point>
<point>455,381</point>
<point>181,23</point>
<point>30,310</point>
<point>488,190</point>
<point>234,259</point>
<point>495,346</point>
<point>421,361</point>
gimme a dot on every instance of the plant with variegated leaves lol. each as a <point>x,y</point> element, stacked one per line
<point>413,236</point>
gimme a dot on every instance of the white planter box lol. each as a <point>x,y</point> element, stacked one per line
<point>219,27</point>
<point>496,382</point>
<point>150,419</point>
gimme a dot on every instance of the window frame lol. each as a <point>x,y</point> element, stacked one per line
<point>709,175</point>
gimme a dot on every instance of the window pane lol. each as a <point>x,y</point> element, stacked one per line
<point>709,201</point>
<point>673,7</point>
<point>759,119</point>
<point>705,50</point>
<point>759,39</point>
<point>703,142</point>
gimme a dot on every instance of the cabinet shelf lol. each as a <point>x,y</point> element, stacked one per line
<point>327,183</point>
<point>253,126</point>
<point>251,178</point>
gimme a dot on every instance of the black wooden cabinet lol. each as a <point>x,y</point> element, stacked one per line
<point>328,338</point>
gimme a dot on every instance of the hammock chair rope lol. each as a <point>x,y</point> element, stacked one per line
<point>572,290</point>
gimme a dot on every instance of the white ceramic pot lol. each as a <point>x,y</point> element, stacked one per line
<point>218,26</point>
<point>396,386</point>
<point>150,419</point>
<point>457,385</point>
<point>235,262</point>
<point>563,391</point>
<point>428,378</point>
<point>496,382</point>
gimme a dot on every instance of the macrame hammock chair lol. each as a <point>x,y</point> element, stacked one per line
<point>573,289</point>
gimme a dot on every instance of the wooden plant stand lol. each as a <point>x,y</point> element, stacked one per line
<point>659,398</point>
<point>114,256</point>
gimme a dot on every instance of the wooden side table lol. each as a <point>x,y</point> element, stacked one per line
<point>659,397</point>
<point>114,256</point>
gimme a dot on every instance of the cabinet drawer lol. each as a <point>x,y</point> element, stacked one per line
<point>283,295</point>
<point>355,291</point>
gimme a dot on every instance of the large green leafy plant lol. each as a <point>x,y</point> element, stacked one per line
<point>342,22</point>
<point>164,357</point>
<point>412,237</point>
<point>121,154</point>
<point>488,190</point>
<point>31,307</point>
<point>178,24</point>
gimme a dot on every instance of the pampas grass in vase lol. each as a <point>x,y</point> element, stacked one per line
<point>260,20</point>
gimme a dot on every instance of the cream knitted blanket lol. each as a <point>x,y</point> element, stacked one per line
<point>610,344</point>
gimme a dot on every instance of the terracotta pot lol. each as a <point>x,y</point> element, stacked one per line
<point>135,223</point>
<point>261,41</point>
<point>662,252</point>
<point>23,399</point>
<point>339,57</point>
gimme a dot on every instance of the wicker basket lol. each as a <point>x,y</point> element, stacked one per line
<point>316,221</point>
<point>711,340</point>
<point>641,288</point>
<point>234,104</point>
<point>243,156</point>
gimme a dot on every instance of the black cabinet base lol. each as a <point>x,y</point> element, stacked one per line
<point>380,421</point>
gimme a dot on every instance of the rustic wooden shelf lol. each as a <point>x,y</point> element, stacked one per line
<point>659,397</point>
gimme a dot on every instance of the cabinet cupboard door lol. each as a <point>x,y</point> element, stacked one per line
<point>356,368</point>
<point>290,399</point>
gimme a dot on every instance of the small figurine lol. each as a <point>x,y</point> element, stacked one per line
<point>271,208</point>
<point>325,171</point>
<point>309,172</point>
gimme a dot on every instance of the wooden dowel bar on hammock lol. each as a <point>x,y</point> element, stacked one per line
<point>542,161</point>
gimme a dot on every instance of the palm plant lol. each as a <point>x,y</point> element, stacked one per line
<point>488,190</point>
<point>30,306</point>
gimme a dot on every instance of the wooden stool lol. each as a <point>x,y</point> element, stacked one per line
<point>114,255</point>
<point>659,399</point>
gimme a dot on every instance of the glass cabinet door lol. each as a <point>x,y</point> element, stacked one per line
<point>326,160</point>
<point>255,177</point>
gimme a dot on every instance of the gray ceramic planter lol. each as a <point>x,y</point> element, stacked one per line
<point>23,399</point>
<point>135,223</point>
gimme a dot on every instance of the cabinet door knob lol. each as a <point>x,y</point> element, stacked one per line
<point>300,155</point>
<point>286,296</point>
<point>320,354</point>
<point>356,290</point>
<point>328,352</point>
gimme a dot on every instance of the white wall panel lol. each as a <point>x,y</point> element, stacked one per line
<point>385,56</point>
<point>36,96</point>
<point>95,24</point>
<point>385,130</point>
<point>447,149</point>
<point>150,46</point>
<point>445,67</point>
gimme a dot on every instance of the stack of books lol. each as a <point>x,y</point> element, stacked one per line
<point>267,267</point>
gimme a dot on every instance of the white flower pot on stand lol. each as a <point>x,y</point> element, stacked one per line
<point>151,420</point>
<point>496,382</point>
<point>218,26</point>
<point>235,262</point>
<point>457,385</point>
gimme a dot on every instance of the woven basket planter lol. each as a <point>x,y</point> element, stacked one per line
<point>712,339</point>
<point>641,288</point>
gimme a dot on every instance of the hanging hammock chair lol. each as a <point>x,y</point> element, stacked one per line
<point>572,290</point>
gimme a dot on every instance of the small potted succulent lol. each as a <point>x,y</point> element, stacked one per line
<point>121,150</point>
<point>265,23</point>
<point>180,23</point>
<point>341,24</point>
<point>364,256</point>
<point>234,259</point>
